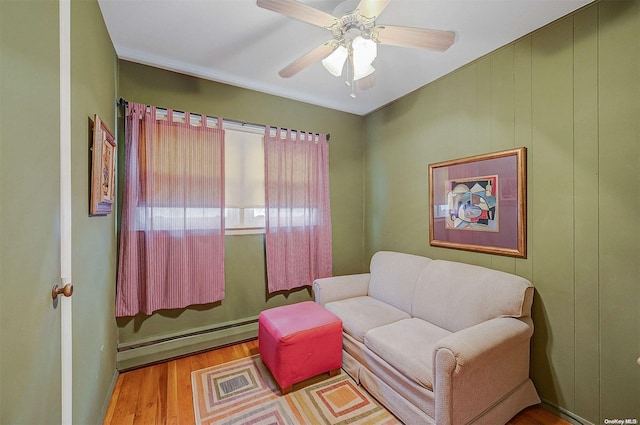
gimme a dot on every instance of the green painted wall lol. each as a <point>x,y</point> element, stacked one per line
<point>245,284</point>
<point>570,93</point>
<point>29,214</point>
<point>94,68</point>
<point>618,205</point>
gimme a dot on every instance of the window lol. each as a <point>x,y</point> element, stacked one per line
<point>244,189</point>
<point>244,180</point>
<point>244,211</point>
<point>177,191</point>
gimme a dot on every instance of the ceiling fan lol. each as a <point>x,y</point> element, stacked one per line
<point>355,37</point>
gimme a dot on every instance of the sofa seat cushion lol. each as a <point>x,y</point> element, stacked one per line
<point>360,314</point>
<point>407,345</point>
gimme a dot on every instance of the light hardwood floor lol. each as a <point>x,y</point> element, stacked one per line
<point>161,393</point>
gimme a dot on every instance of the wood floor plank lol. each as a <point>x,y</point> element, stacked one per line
<point>127,400</point>
<point>537,416</point>
<point>186,415</point>
<point>214,357</point>
<point>147,408</point>
<point>108,417</point>
<point>161,393</point>
<point>173,407</point>
<point>198,361</point>
<point>161,411</point>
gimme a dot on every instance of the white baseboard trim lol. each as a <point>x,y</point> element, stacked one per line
<point>139,353</point>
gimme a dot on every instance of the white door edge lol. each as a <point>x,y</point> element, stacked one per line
<point>65,209</point>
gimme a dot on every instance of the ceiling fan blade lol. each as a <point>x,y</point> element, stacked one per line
<point>320,52</point>
<point>366,83</point>
<point>299,11</point>
<point>413,37</point>
<point>372,8</point>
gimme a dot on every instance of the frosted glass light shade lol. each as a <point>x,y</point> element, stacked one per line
<point>364,50</point>
<point>335,61</point>
<point>361,70</point>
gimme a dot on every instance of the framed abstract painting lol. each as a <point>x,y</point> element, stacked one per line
<point>479,203</point>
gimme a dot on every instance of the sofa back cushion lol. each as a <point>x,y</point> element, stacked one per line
<point>394,276</point>
<point>456,295</point>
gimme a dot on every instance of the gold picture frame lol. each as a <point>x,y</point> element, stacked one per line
<point>479,203</point>
<point>103,162</point>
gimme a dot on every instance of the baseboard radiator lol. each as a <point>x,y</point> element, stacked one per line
<point>136,354</point>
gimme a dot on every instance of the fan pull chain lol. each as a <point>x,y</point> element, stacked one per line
<point>350,82</point>
<point>347,81</point>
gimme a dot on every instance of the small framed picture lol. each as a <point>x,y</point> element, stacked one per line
<point>103,162</point>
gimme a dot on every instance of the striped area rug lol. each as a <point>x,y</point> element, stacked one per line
<point>244,392</point>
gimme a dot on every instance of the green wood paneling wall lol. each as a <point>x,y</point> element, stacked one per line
<point>619,206</point>
<point>570,93</point>
<point>552,211</point>
<point>585,182</point>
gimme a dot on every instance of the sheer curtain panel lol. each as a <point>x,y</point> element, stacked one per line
<point>298,219</point>
<point>172,232</point>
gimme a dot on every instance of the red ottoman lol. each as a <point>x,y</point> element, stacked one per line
<point>299,341</point>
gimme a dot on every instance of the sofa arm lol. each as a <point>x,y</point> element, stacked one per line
<point>477,366</point>
<point>337,288</point>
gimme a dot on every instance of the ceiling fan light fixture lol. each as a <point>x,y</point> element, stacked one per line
<point>334,63</point>
<point>355,37</point>
<point>362,70</point>
<point>365,50</point>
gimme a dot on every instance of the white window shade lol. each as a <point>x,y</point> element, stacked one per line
<point>244,169</point>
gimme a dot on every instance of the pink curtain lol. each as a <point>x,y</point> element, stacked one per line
<point>298,219</point>
<point>172,232</point>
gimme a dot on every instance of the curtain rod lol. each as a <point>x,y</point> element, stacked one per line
<point>123,102</point>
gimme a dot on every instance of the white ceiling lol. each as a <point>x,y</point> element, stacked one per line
<point>238,43</point>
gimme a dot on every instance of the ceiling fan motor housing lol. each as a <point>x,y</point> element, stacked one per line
<point>351,25</point>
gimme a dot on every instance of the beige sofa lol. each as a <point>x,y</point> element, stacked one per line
<point>436,342</point>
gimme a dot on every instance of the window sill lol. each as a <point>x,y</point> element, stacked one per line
<point>246,231</point>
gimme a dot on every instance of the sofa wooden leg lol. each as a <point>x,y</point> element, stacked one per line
<point>286,390</point>
<point>334,372</point>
